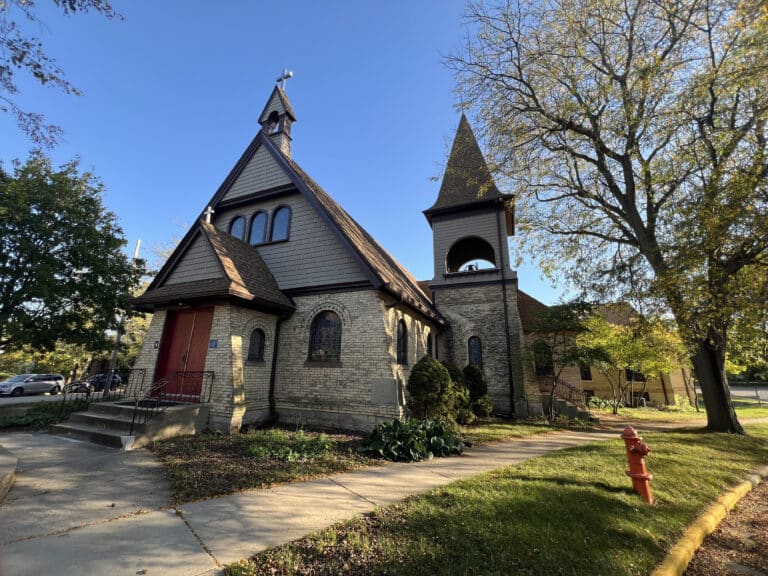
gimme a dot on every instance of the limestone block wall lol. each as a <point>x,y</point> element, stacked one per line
<point>478,310</point>
<point>367,386</point>
<point>150,347</point>
<point>240,391</point>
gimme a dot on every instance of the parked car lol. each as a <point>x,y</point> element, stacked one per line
<point>32,384</point>
<point>97,381</point>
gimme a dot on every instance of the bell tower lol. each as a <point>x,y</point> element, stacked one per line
<point>473,285</point>
<point>276,120</point>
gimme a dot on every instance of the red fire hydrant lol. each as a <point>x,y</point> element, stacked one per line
<point>636,453</point>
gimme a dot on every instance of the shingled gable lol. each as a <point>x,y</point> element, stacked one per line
<point>467,179</point>
<point>277,102</point>
<point>244,275</point>
<point>383,270</point>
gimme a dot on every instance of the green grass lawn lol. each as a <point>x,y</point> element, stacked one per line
<point>499,429</point>
<point>745,408</point>
<point>570,512</point>
<point>209,465</point>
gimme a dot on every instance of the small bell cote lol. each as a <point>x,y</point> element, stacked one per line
<point>276,120</point>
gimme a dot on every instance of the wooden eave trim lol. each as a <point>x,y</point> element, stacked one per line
<point>329,288</point>
<point>269,194</point>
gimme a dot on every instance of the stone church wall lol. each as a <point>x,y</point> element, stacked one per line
<point>368,386</point>
<point>478,310</point>
<point>150,348</point>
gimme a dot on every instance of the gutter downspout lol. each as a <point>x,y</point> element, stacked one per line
<point>272,412</point>
<point>506,315</point>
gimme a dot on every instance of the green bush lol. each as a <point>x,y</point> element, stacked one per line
<point>43,414</point>
<point>413,440</point>
<point>483,406</point>
<point>277,444</point>
<point>457,377</point>
<point>681,404</point>
<point>465,416</point>
<point>429,389</point>
<point>475,380</point>
<point>596,402</point>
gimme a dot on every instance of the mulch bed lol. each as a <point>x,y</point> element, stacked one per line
<point>739,546</point>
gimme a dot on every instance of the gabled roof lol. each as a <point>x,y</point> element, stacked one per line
<point>278,100</point>
<point>529,309</point>
<point>467,179</point>
<point>382,270</point>
<point>244,275</point>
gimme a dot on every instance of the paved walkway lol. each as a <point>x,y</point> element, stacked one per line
<point>83,509</point>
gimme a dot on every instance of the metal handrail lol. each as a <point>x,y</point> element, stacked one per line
<point>131,379</point>
<point>564,390</point>
<point>157,399</point>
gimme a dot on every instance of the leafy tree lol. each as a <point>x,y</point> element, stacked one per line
<point>63,275</point>
<point>554,344</point>
<point>21,52</point>
<point>67,359</point>
<point>635,348</point>
<point>634,134</point>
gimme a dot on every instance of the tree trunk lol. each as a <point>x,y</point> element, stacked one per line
<point>709,363</point>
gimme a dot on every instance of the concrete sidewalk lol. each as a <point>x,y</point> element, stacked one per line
<point>200,537</point>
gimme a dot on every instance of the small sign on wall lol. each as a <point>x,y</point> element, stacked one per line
<point>213,344</point>
<point>157,344</point>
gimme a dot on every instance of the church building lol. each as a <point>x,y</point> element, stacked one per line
<point>278,305</point>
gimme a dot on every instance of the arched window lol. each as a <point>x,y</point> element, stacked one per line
<point>402,342</point>
<point>274,123</point>
<point>542,357</point>
<point>430,350</point>
<point>470,254</point>
<point>258,228</point>
<point>256,345</point>
<point>237,227</point>
<point>281,223</point>
<point>475,351</point>
<point>325,337</point>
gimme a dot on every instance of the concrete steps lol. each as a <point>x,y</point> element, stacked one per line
<point>110,424</point>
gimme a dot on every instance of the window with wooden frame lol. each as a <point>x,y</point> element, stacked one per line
<point>475,351</point>
<point>237,227</point>
<point>325,338</point>
<point>542,358</point>
<point>258,228</point>
<point>402,343</point>
<point>281,224</point>
<point>256,346</point>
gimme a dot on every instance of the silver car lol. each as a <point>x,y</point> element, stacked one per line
<point>32,384</point>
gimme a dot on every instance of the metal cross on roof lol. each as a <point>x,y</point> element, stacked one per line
<point>283,77</point>
<point>208,213</point>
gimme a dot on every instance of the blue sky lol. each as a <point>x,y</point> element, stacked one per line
<point>171,97</point>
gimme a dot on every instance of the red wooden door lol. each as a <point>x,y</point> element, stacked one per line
<point>183,350</point>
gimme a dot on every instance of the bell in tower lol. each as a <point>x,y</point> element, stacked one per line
<point>473,285</point>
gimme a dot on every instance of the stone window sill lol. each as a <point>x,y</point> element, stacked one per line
<point>323,364</point>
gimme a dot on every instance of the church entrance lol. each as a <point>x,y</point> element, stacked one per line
<point>182,352</point>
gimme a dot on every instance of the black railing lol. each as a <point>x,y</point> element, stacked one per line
<point>110,386</point>
<point>184,388</point>
<point>564,391</point>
